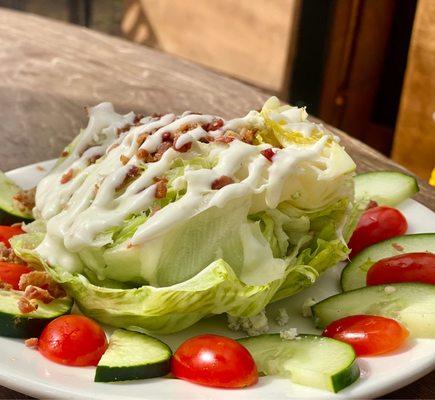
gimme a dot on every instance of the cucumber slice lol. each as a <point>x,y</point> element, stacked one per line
<point>412,304</point>
<point>385,187</point>
<point>133,355</point>
<point>15,324</point>
<point>355,272</point>
<point>309,360</point>
<point>9,212</point>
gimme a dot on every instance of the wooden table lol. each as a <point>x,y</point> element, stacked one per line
<point>50,70</point>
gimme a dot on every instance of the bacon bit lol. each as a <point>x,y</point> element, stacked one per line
<point>42,280</point>
<point>123,129</point>
<point>65,153</point>
<point>214,126</point>
<point>37,293</point>
<point>32,343</point>
<point>124,159</point>
<point>247,135</point>
<point>5,286</point>
<point>161,189</point>
<point>219,183</point>
<point>268,153</point>
<point>397,246</point>
<point>132,172</point>
<point>155,115</point>
<point>26,306</point>
<point>8,255</point>
<point>184,148</point>
<point>372,204</point>
<point>67,177</point>
<point>94,159</point>
<point>225,139</point>
<point>167,137</point>
<point>207,139</point>
<point>24,200</point>
<point>137,118</point>
<point>163,147</point>
<point>141,139</point>
<point>144,155</point>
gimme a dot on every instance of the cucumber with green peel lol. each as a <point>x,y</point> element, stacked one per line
<point>354,274</point>
<point>387,188</point>
<point>9,211</point>
<point>131,356</point>
<point>308,360</point>
<point>13,323</point>
<point>412,304</point>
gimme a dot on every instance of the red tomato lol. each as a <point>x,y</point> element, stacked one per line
<point>377,224</point>
<point>410,267</point>
<point>73,340</point>
<point>11,273</point>
<point>213,360</point>
<point>369,335</point>
<point>6,232</point>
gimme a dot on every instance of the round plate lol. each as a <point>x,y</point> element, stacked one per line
<point>26,371</point>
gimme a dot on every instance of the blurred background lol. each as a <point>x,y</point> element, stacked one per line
<point>364,66</point>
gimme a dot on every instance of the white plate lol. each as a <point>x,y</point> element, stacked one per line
<point>26,371</point>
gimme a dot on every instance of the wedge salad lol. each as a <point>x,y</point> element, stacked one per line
<point>152,223</point>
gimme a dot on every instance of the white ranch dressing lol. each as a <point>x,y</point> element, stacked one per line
<point>80,213</point>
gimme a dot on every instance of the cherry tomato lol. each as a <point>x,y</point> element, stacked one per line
<point>11,273</point>
<point>410,267</point>
<point>213,360</point>
<point>73,340</point>
<point>377,224</point>
<point>369,335</point>
<point>6,232</point>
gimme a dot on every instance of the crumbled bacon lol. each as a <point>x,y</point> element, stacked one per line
<point>123,129</point>
<point>163,147</point>
<point>184,148</point>
<point>225,139</point>
<point>166,137</point>
<point>144,155</point>
<point>67,176</point>
<point>5,286</point>
<point>207,139</point>
<point>36,293</point>
<point>137,118</point>
<point>222,181</point>
<point>41,279</point>
<point>8,255</point>
<point>26,306</point>
<point>141,139</point>
<point>32,342</point>
<point>65,153</point>
<point>397,246</point>
<point>213,126</point>
<point>124,159</point>
<point>24,200</point>
<point>247,135</point>
<point>156,115</point>
<point>161,189</point>
<point>268,153</point>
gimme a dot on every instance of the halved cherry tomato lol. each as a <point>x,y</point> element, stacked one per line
<point>410,267</point>
<point>377,224</point>
<point>369,335</point>
<point>213,360</point>
<point>11,273</point>
<point>73,340</point>
<point>6,232</point>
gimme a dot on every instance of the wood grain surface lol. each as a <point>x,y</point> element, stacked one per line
<point>50,70</point>
<point>416,123</point>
